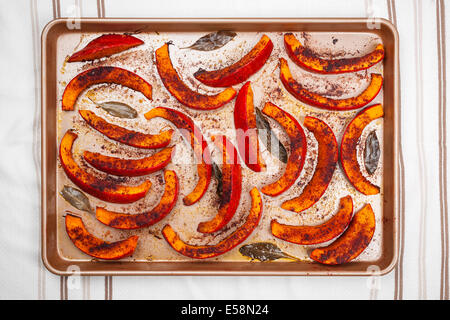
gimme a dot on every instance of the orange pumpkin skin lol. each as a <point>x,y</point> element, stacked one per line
<point>230,242</point>
<point>103,75</point>
<point>246,130</point>
<point>126,136</point>
<point>308,60</point>
<point>349,143</point>
<point>297,155</point>
<point>351,243</point>
<point>129,167</point>
<point>106,190</point>
<point>198,143</point>
<point>136,221</point>
<point>241,70</point>
<point>104,46</point>
<point>94,246</point>
<point>231,187</point>
<point>327,158</point>
<point>308,235</point>
<point>181,91</point>
<point>314,99</point>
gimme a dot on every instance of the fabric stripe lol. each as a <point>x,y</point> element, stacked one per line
<point>420,148</point>
<point>63,281</point>
<point>441,49</point>
<point>398,291</point>
<point>108,279</point>
<point>108,288</point>
<point>36,133</point>
<point>101,8</point>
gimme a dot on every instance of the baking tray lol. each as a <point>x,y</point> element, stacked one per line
<point>61,265</point>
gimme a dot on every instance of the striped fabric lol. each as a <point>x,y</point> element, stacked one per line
<point>422,271</point>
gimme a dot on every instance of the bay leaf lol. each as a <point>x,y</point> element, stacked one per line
<point>218,176</point>
<point>264,251</point>
<point>268,137</point>
<point>118,109</point>
<point>371,152</point>
<point>212,41</point>
<point>76,198</point>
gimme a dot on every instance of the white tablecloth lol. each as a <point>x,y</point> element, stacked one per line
<point>422,272</point>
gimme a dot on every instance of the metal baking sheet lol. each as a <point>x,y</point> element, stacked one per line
<point>344,37</point>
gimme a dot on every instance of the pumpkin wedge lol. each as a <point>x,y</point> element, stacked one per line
<point>102,75</point>
<point>246,130</point>
<point>326,164</point>
<point>198,143</point>
<point>241,70</point>
<point>231,187</point>
<point>104,46</point>
<point>349,143</point>
<point>314,99</point>
<point>297,154</point>
<point>135,221</point>
<point>307,59</point>
<point>129,167</point>
<point>352,242</point>
<point>181,91</point>
<point>307,235</point>
<point>107,189</point>
<point>94,246</point>
<point>230,242</point>
<point>126,136</point>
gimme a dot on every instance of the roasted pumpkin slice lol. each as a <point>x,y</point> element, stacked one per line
<point>327,158</point>
<point>352,242</point>
<point>198,143</point>
<point>104,46</point>
<point>306,96</point>
<point>230,242</point>
<point>306,235</point>
<point>135,221</point>
<point>297,154</point>
<point>106,189</point>
<point>246,130</point>
<point>349,143</point>
<point>94,246</point>
<point>181,91</point>
<point>129,167</point>
<point>125,136</point>
<point>307,59</point>
<point>231,187</point>
<point>103,75</point>
<point>241,70</point>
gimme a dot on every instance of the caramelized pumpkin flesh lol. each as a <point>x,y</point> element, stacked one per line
<point>297,154</point>
<point>230,242</point>
<point>352,242</point>
<point>136,221</point>
<point>104,189</point>
<point>314,99</point>
<point>349,143</point>
<point>181,91</point>
<point>307,235</point>
<point>94,246</point>
<point>198,143</point>
<point>327,158</point>
<point>307,59</point>
<point>103,75</point>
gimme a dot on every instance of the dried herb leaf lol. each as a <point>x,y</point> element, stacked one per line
<point>76,198</point>
<point>268,137</point>
<point>264,251</point>
<point>371,152</point>
<point>212,41</point>
<point>218,175</point>
<point>118,109</point>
